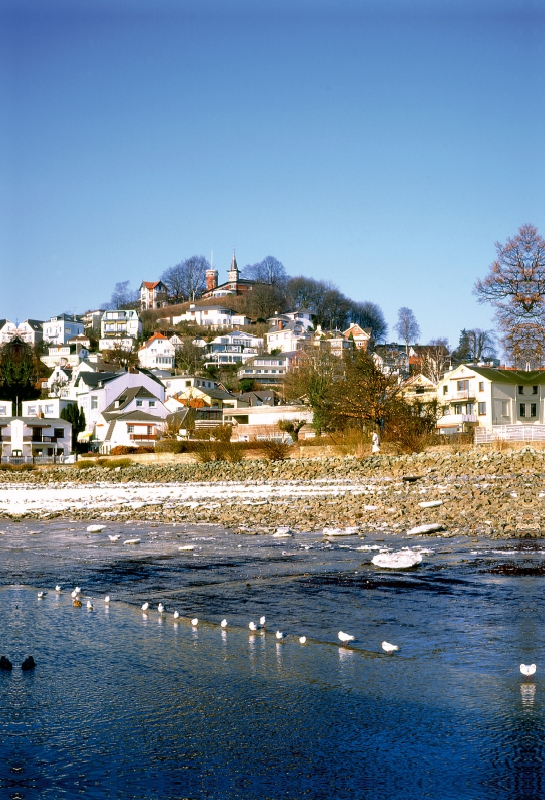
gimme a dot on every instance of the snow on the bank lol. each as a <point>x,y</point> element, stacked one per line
<point>20,499</point>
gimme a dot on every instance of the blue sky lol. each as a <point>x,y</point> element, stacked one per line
<point>382,145</point>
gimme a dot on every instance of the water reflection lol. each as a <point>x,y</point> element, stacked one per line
<point>527,694</point>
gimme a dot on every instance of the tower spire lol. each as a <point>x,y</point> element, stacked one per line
<point>234,274</point>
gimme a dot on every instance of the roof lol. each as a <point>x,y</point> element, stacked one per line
<point>150,284</point>
<point>36,422</point>
<point>156,337</point>
<point>127,396</point>
<point>36,324</point>
<point>94,378</point>
<point>512,376</point>
<point>130,416</point>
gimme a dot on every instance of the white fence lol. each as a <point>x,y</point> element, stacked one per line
<point>511,433</point>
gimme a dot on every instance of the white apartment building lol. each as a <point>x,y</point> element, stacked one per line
<point>58,330</point>
<point>65,355</point>
<point>212,316</point>
<point>119,325</point>
<point>95,391</point>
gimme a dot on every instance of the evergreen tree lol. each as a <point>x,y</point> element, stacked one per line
<point>75,415</point>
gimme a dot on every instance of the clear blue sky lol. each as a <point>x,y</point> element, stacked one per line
<point>382,145</point>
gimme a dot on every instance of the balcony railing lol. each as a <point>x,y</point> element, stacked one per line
<point>513,433</point>
<point>143,437</point>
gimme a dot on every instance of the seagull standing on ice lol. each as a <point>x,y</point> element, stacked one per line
<point>107,599</point>
<point>194,622</point>
<point>176,614</point>
<point>58,589</point>
<point>252,626</point>
<point>89,605</point>
<point>262,621</point>
<point>280,635</point>
<point>528,670</point>
<point>345,637</point>
<point>160,608</point>
<point>302,639</point>
<point>223,623</point>
<point>389,648</point>
<point>145,606</point>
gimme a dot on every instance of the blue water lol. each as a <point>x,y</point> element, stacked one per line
<point>130,705</point>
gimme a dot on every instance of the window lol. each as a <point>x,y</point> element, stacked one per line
<point>534,389</point>
<point>130,428</point>
<point>505,408</point>
<point>445,389</point>
<point>139,404</point>
<point>470,408</point>
<point>522,409</point>
<point>521,391</point>
<point>94,403</point>
<point>58,433</point>
<point>3,410</point>
<point>32,410</point>
<point>152,403</point>
<point>462,386</point>
<point>457,408</point>
<point>150,430</point>
<point>188,383</point>
<point>481,386</point>
<point>533,410</point>
<point>482,409</point>
<point>49,409</point>
<point>419,390</point>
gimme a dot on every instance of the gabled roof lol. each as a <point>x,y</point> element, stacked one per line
<point>150,284</point>
<point>131,416</point>
<point>155,338</point>
<point>128,395</point>
<point>36,324</point>
<point>94,378</point>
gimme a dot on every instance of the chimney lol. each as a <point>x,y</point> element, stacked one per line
<point>211,279</point>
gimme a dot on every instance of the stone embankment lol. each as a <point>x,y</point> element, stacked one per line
<point>497,493</point>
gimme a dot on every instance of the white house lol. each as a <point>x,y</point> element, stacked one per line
<point>119,327</point>
<point>179,383</point>
<point>58,330</point>
<point>7,331</point>
<point>6,408</point>
<point>213,316</point>
<point>65,355</point>
<point>287,334</point>
<point>491,399</point>
<point>267,369</point>
<point>50,408</point>
<point>157,353</point>
<point>133,418</point>
<point>35,437</point>
<point>30,331</point>
<point>95,391</point>
<point>153,294</point>
<point>235,347</point>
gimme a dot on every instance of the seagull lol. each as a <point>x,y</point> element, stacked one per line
<point>194,622</point>
<point>78,590</point>
<point>107,599</point>
<point>302,639</point>
<point>41,594</point>
<point>58,588</point>
<point>389,648</point>
<point>145,606</point>
<point>160,608</point>
<point>114,537</point>
<point>345,637</point>
<point>223,623</point>
<point>262,621</point>
<point>528,670</point>
<point>252,626</point>
<point>89,605</point>
<point>176,614</point>
<point>279,635</point>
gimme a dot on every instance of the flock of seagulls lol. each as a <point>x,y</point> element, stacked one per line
<point>527,670</point>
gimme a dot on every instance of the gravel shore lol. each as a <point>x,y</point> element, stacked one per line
<point>496,493</point>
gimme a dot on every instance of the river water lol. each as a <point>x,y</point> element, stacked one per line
<point>126,704</point>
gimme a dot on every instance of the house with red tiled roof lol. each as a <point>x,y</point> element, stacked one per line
<point>153,294</point>
<point>157,353</point>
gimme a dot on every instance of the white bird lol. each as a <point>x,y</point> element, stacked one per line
<point>302,639</point>
<point>145,606</point>
<point>107,599</point>
<point>279,635</point>
<point>89,605</point>
<point>194,622</point>
<point>114,537</point>
<point>528,670</point>
<point>223,623</point>
<point>160,608</point>
<point>41,594</point>
<point>176,614</point>
<point>58,588</point>
<point>77,589</point>
<point>252,626</point>
<point>262,621</point>
<point>345,637</point>
<point>74,594</point>
<point>389,648</point>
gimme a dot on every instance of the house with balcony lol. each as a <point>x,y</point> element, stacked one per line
<point>419,389</point>
<point>29,331</point>
<point>134,418</point>
<point>95,391</point>
<point>65,355</point>
<point>33,437</point>
<point>7,331</point>
<point>58,330</point>
<point>258,423</point>
<point>119,328</point>
<point>288,335</point>
<point>180,383</point>
<point>361,337</point>
<point>234,347</point>
<point>392,359</point>
<point>496,402</point>
<point>266,369</point>
<point>50,408</point>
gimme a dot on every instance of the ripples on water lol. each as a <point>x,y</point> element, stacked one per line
<point>123,705</point>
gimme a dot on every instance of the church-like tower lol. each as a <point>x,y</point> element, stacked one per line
<point>234,274</point>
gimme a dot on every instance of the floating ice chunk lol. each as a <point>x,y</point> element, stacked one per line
<point>132,541</point>
<point>431,504</point>
<point>401,560</point>
<point>95,528</point>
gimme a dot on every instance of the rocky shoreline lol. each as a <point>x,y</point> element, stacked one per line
<point>473,492</point>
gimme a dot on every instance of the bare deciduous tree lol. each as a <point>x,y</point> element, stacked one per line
<point>186,280</point>
<point>515,286</point>
<point>407,327</point>
<point>270,271</point>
